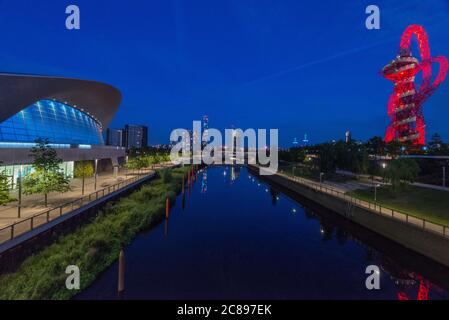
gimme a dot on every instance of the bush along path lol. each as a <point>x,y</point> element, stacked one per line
<point>92,247</point>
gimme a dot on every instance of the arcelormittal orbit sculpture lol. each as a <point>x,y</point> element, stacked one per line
<point>405,104</point>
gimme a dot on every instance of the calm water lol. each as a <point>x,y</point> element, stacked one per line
<point>238,237</point>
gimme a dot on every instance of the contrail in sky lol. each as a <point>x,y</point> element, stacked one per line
<point>319,61</point>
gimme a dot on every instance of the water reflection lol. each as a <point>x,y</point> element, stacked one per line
<point>243,238</point>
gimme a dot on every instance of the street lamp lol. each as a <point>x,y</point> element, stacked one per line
<point>375,191</point>
<point>321,177</point>
<point>19,208</point>
<point>95,176</point>
<point>384,166</point>
<point>444,176</point>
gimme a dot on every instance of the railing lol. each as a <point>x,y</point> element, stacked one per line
<point>407,218</point>
<point>18,228</point>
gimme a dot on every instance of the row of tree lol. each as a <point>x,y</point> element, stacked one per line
<point>144,160</point>
<point>48,177</point>
<point>363,158</point>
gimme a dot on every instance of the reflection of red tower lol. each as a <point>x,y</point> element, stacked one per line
<point>405,104</point>
<point>423,291</point>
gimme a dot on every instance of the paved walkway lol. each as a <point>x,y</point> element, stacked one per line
<point>371,206</point>
<point>33,205</point>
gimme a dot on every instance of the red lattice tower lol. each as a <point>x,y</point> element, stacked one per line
<point>405,104</point>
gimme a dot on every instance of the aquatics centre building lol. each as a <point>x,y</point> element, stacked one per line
<point>70,113</point>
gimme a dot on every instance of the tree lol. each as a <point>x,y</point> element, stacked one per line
<point>47,176</point>
<point>394,148</point>
<point>401,172</point>
<point>327,161</point>
<point>138,163</point>
<point>5,197</point>
<point>83,170</point>
<point>437,146</point>
<point>376,146</point>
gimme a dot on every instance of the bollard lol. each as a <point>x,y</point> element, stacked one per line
<point>121,273</point>
<point>183,185</point>
<point>167,208</point>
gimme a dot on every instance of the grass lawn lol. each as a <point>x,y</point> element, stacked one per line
<point>432,205</point>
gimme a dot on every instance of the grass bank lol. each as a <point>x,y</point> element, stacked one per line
<point>429,204</point>
<point>93,246</point>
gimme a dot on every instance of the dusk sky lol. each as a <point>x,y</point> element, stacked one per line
<point>302,67</point>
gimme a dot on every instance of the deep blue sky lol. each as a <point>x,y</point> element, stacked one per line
<point>294,65</point>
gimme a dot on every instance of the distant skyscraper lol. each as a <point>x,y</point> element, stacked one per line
<point>348,136</point>
<point>205,125</point>
<point>295,142</point>
<point>135,136</point>
<point>114,137</point>
<point>305,141</point>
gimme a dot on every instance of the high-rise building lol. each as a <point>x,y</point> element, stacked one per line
<point>135,136</point>
<point>295,142</point>
<point>205,125</point>
<point>114,137</point>
<point>305,141</point>
<point>348,136</point>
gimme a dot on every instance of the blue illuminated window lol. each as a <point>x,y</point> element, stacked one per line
<point>58,122</point>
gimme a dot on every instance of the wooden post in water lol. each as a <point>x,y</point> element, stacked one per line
<point>121,273</point>
<point>167,208</point>
<point>183,185</point>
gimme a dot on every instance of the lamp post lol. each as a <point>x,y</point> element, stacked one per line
<point>321,177</point>
<point>384,166</point>
<point>444,176</point>
<point>96,174</point>
<point>19,208</point>
<point>375,191</point>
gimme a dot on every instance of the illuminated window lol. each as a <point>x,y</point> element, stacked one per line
<point>58,122</point>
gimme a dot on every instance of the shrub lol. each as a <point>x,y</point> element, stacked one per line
<point>93,247</point>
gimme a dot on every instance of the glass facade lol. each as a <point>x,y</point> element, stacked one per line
<point>56,121</point>
<point>13,171</point>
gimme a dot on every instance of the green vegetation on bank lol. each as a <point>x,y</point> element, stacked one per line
<point>429,204</point>
<point>93,246</point>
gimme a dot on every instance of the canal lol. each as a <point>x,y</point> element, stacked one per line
<point>237,237</point>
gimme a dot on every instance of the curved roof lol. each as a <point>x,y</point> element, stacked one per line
<point>20,91</point>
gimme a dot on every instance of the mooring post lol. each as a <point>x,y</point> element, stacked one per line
<point>183,185</point>
<point>121,273</point>
<point>167,208</point>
